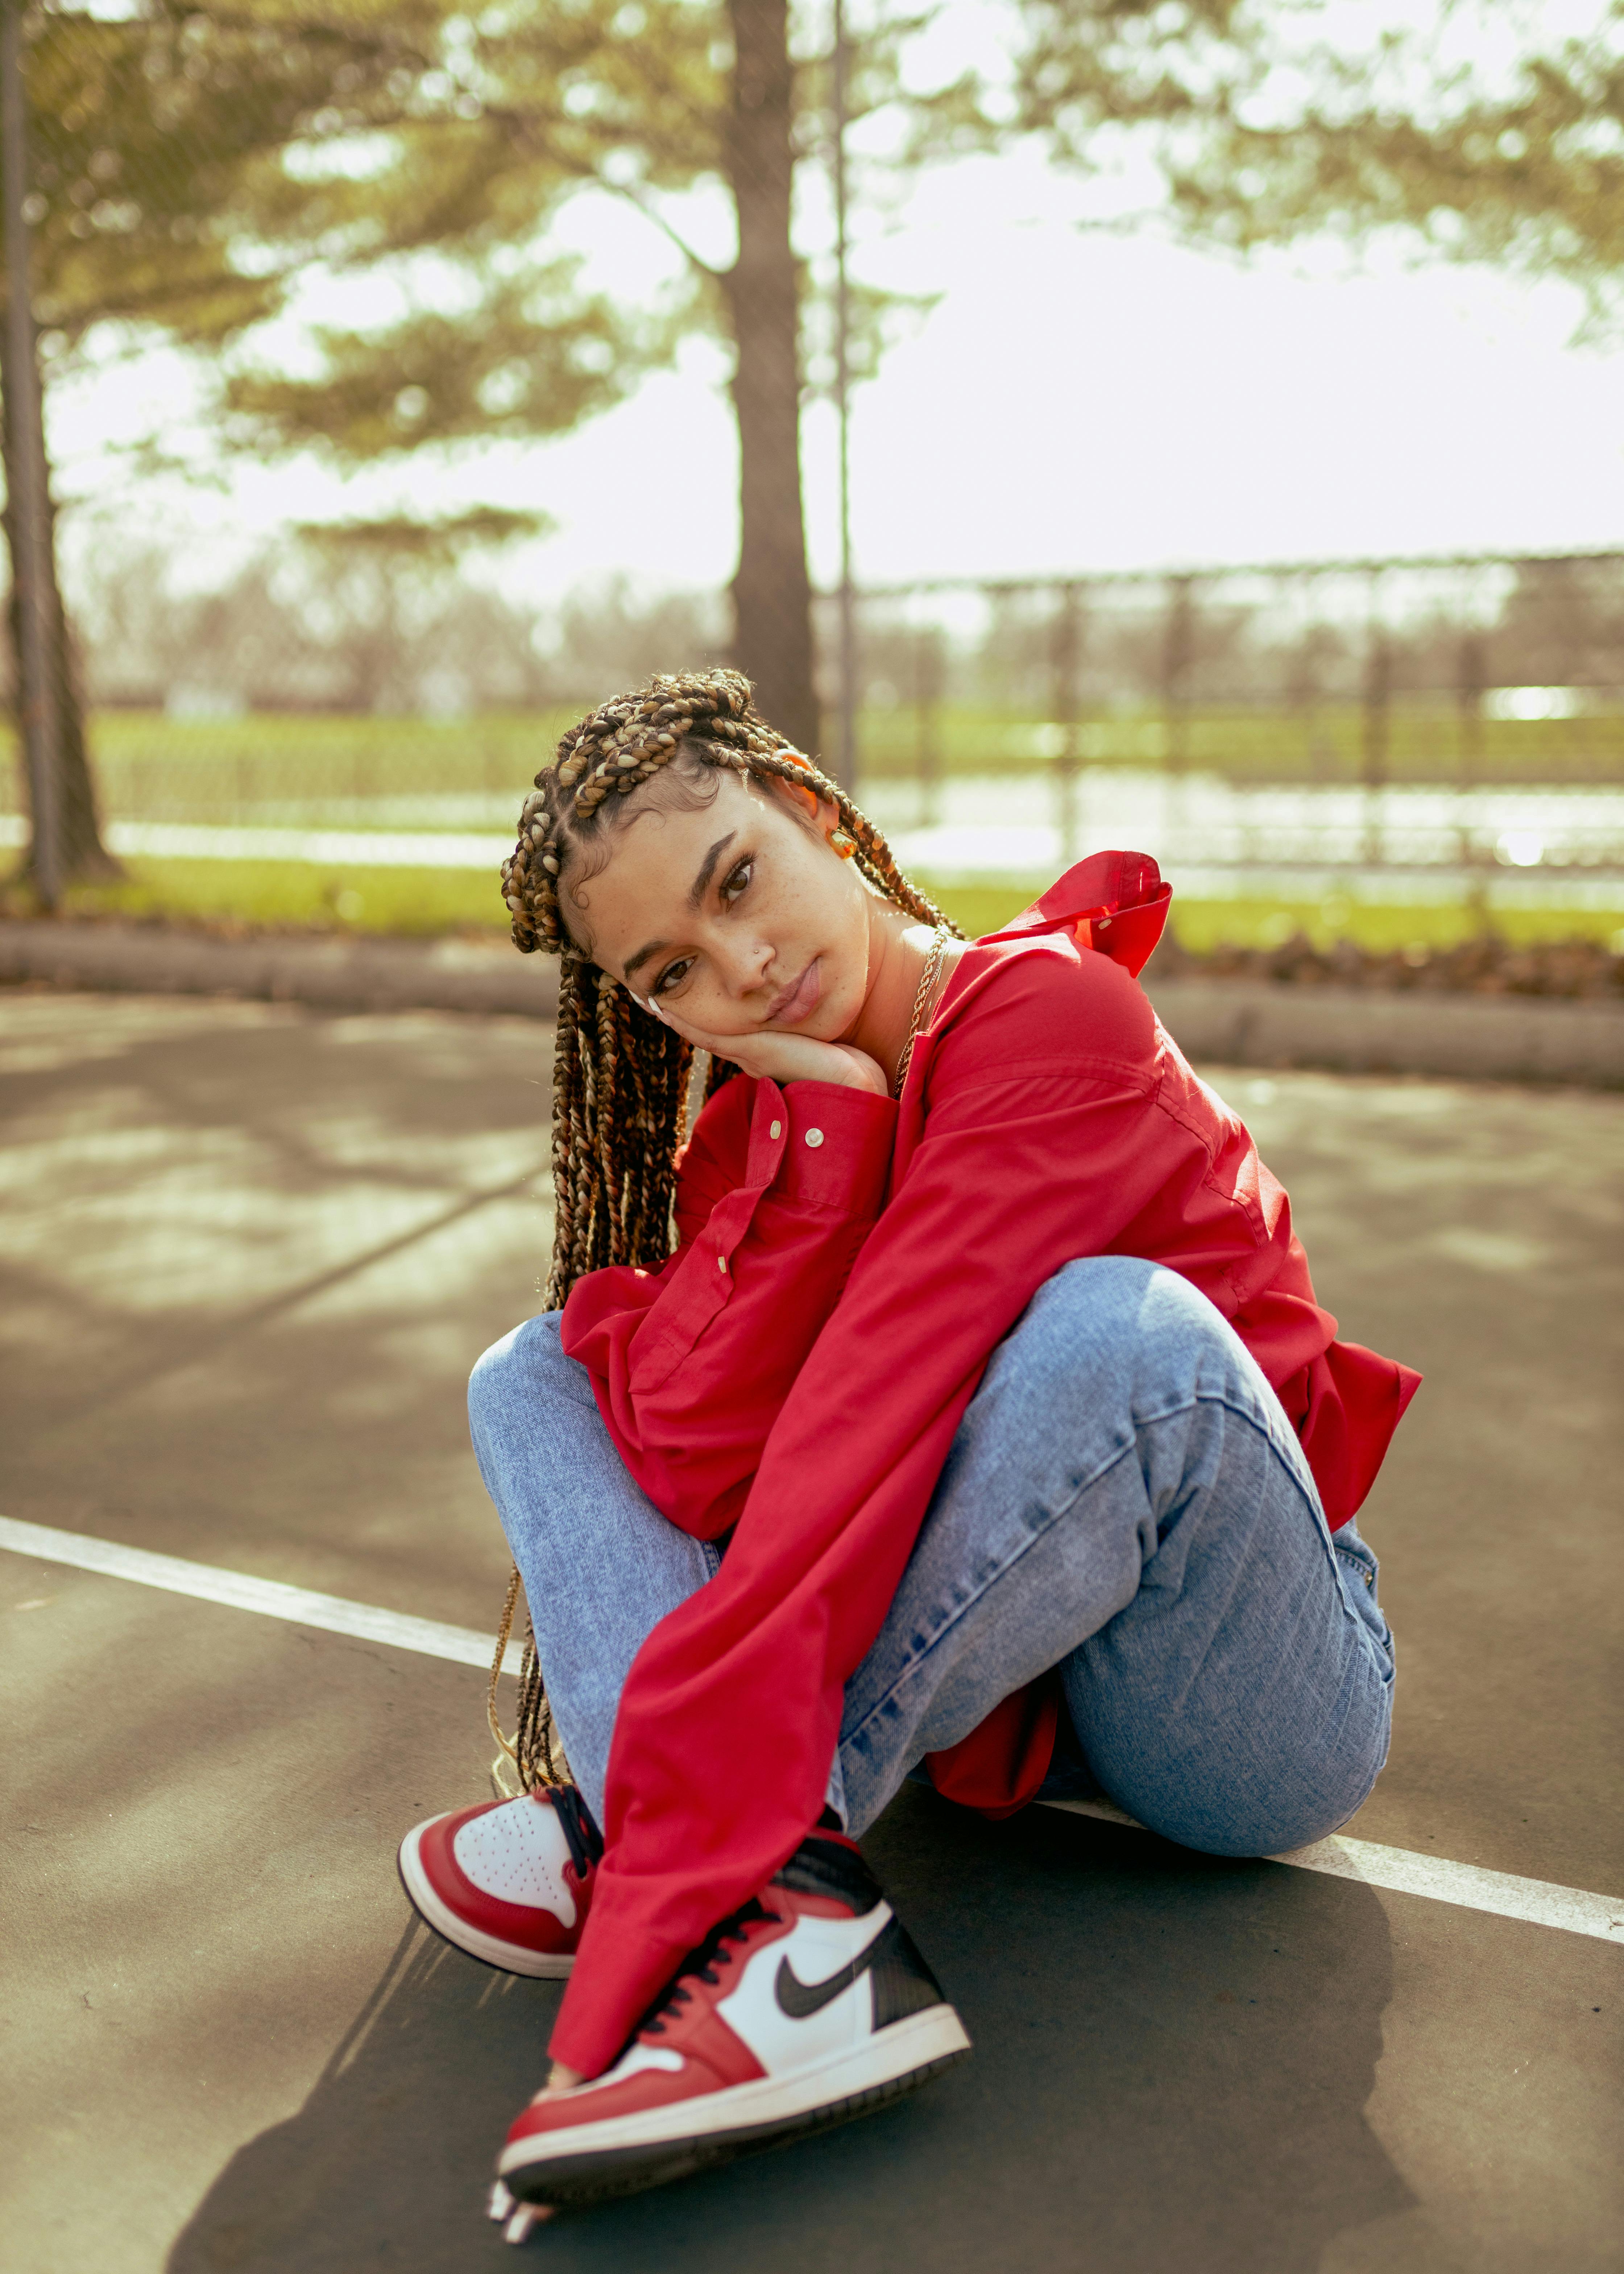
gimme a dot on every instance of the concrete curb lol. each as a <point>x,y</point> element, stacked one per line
<point>1237,1022</point>
<point>340,975</point>
<point>1352,1030</point>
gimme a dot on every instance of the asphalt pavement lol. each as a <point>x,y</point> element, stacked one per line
<point>247,1253</point>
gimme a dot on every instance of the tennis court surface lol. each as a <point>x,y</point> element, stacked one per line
<point>247,1255</point>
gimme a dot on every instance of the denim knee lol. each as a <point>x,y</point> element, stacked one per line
<point>1294,1802</point>
<point>518,1367</point>
<point>1137,1317</point>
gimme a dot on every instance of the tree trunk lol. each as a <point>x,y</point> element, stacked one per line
<point>81,853</point>
<point>771,592</point>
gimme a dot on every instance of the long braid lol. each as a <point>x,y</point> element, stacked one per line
<point>620,1076</point>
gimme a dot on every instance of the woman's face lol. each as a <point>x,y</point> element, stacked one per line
<point>737,915</point>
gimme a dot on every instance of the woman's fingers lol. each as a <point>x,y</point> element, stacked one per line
<point>778,1055</point>
<point>694,1035</point>
<point>736,1047</point>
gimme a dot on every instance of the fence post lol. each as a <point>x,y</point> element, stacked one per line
<point>929,682</point>
<point>1303,687</point>
<point>1471,679</point>
<point>1177,655</point>
<point>37,707</point>
<point>1377,719</point>
<point>1066,656</point>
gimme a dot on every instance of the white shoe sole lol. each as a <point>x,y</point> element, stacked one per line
<point>591,2162</point>
<point>512,1957</point>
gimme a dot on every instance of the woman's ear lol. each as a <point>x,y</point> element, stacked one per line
<point>827,822</point>
<point>803,799</point>
<point>822,814</point>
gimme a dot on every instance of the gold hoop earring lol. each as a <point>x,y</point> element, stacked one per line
<point>841,843</point>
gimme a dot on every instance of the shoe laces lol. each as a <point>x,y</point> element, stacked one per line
<point>702,1964</point>
<point>582,1835</point>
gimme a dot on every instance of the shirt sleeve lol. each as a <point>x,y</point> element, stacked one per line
<point>691,1364</point>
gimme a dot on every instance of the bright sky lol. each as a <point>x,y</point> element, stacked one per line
<point>1075,401</point>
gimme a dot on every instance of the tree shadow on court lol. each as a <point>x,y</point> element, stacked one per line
<point>1173,2057</point>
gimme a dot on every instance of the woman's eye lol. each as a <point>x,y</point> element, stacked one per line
<point>733,884</point>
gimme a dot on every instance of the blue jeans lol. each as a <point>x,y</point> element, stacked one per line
<point>1124,1499</point>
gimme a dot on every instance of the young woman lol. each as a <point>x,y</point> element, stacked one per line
<point>980,1422</point>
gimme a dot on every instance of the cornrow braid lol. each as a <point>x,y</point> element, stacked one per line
<point>620,1076</point>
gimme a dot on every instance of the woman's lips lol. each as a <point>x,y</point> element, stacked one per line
<point>801,1000</point>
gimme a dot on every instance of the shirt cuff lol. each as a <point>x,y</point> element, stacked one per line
<point>824,1144</point>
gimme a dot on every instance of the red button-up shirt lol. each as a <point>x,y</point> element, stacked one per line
<point>796,1372</point>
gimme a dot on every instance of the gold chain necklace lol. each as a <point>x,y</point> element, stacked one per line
<point>928,980</point>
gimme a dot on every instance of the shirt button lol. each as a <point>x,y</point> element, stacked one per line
<point>815,1136</point>
<point>721,1263</point>
<point>777,1129</point>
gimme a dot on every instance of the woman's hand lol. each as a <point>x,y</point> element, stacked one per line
<point>772,1055</point>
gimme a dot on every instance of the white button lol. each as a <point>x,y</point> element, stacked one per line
<point>815,1136</point>
<point>721,1263</point>
<point>776,1130</point>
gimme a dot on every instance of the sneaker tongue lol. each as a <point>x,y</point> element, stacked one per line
<point>828,1863</point>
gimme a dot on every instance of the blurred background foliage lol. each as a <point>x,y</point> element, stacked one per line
<point>382,617</point>
<point>192,171</point>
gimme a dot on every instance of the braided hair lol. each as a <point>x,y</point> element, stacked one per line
<point>620,1076</point>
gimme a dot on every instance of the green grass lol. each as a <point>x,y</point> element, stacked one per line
<point>305,769</point>
<point>264,755</point>
<point>295,895</point>
<point>356,771</point>
<point>314,769</point>
<point>1258,744</point>
<point>1200,925</point>
<point>257,895</point>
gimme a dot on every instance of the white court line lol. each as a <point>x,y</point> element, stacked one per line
<point>1407,1872</point>
<point>1400,1869</point>
<point>333,1613</point>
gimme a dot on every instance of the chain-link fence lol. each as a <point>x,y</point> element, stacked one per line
<point>1402,727</point>
<point>1397,722</point>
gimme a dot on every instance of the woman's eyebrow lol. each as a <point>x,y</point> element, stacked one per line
<point>641,956</point>
<point>696,892</point>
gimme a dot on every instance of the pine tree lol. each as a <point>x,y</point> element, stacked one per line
<point>192,169</point>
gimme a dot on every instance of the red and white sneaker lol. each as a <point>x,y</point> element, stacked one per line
<point>510,1881</point>
<point>808,2007</point>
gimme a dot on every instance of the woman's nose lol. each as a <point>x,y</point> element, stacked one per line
<point>744,965</point>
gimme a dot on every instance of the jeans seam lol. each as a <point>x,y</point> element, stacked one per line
<point>1086,1484</point>
<point>1356,1563</point>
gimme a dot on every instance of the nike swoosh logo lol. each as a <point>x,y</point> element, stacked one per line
<point>799,1999</point>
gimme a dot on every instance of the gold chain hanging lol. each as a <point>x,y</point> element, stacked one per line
<point>928,980</point>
